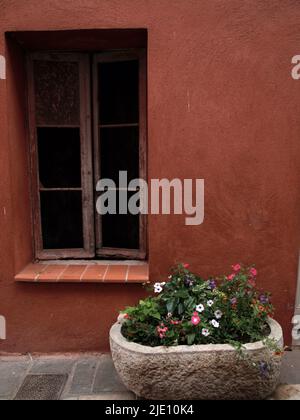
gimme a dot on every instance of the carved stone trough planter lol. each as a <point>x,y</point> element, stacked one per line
<point>200,372</point>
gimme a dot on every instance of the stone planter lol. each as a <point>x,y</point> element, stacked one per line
<point>197,372</point>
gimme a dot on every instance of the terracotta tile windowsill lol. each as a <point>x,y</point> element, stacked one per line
<point>84,273</point>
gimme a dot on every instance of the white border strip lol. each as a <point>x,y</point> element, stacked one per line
<point>2,67</point>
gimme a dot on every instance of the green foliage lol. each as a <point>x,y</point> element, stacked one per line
<point>189,310</point>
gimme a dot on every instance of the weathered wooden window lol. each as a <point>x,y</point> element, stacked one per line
<point>87,122</point>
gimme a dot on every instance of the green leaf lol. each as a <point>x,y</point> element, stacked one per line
<point>183,294</point>
<point>156,315</point>
<point>191,339</point>
<point>171,305</point>
<point>190,304</point>
<point>180,309</point>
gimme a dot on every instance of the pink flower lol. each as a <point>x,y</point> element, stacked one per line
<point>162,331</point>
<point>231,277</point>
<point>236,267</point>
<point>253,271</point>
<point>195,319</point>
<point>186,266</point>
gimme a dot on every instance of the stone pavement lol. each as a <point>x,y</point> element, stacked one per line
<point>90,376</point>
<point>93,377</point>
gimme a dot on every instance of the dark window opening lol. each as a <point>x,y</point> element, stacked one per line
<point>119,92</point>
<point>88,121</point>
<point>119,152</point>
<point>120,230</point>
<point>59,157</point>
<point>62,219</point>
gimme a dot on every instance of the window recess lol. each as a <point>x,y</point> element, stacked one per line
<point>87,118</point>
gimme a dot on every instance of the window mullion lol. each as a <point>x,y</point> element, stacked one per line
<point>97,151</point>
<point>87,157</point>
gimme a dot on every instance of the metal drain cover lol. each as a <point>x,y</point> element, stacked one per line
<point>42,387</point>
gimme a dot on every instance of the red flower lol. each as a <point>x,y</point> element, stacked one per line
<point>186,266</point>
<point>236,267</point>
<point>253,272</point>
<point>231,277</point>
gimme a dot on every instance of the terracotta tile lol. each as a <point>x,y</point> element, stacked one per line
<point>31,272</point>
<point>84,273</point>
<point>73,273</point>
<point>138,274</point>
<point>116,274</point>
<point>94,273</point>
<point>52,273</point>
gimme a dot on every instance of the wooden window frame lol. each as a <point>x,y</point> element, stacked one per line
<point>88,251</point>
<point>140,55</point>
<point>89,148</point>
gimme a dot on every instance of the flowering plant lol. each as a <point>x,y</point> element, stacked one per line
<point>189,310</point>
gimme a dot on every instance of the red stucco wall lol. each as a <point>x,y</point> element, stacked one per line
<point>222,106</point>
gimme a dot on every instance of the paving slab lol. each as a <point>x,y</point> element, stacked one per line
<point>107,379</point>
<point>290,373</point>
<point>12,375</point>
<point>84,376</point>
<point>53,366</point>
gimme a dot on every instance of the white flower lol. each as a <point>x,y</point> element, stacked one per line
<point>158,288</point>
<point>210,303</point>
<point>205,332</point>
<point>170,277</point>
<point>218,314</point>
<point>215,323</point>
<point>200,308</point>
